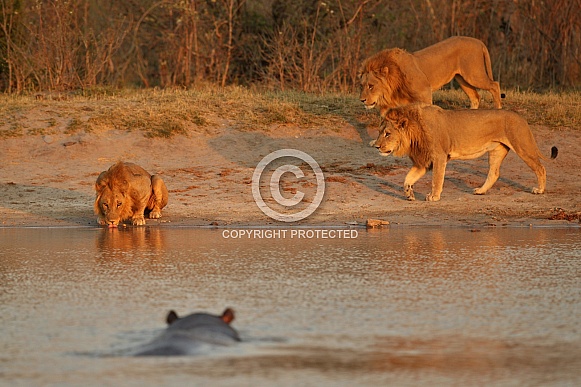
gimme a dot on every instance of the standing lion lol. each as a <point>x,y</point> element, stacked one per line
<point>394,77</point>
<point>431,136</point>
<point>128,191</point>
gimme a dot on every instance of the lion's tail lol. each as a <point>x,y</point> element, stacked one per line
<point>487,62</point>
<point>554,153</point>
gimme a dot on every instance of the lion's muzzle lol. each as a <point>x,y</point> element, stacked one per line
<point>383,152</point>
<point>368,105</point>
<point>112,220</point>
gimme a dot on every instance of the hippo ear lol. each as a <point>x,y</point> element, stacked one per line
<point>171,317</point>
<point>228,316</point>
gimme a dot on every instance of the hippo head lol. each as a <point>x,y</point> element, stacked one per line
<point>227,316</point>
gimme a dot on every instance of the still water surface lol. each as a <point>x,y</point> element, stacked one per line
<point>392,307</point>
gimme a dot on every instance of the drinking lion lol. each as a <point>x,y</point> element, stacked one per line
<point>127,191</point>
<point>394,77</point>
<point>431,136</point>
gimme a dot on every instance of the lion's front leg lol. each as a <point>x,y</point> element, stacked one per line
<point>408,185</point>
<point>438,174</point>
<point>408,191</point>
<point>138,218</point>
<point>432,198</point>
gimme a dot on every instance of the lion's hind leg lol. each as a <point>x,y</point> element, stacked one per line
<point>159,197</point>
<point>496,96</point>
<point>534,163</point>
<point>526,148</point>
<point>470,91</point>
<point>495,159</point>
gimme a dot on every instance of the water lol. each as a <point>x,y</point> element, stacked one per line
<point>393,307</point>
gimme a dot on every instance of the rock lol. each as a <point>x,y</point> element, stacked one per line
<point>374,223</point>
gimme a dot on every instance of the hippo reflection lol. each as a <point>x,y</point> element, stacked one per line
<point>192,334</point>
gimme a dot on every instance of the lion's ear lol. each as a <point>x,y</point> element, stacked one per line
<point>96,207</point>
<point>100,185</point>
<point>391,115</point>
<point>384,71</point>
<point>101,182</point>
<point>402,123</point>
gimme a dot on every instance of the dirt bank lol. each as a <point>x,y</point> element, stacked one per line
<point>48,180</point>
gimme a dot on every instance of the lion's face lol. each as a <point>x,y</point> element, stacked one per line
<point>391,140</point>
<point>112,205</point>
<point>371,89</point>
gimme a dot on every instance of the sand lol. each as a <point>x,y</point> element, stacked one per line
<point>47,181</point>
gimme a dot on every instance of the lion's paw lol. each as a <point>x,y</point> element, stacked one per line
<point>537,191</point>
<point>101,222</point>
<point>479,191</point>
<point>155,215</point>
<point>139,221</point>
<point>432,198</point>
<point>408,191</point>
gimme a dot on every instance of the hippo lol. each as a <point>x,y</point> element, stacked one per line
<point>192,334</point>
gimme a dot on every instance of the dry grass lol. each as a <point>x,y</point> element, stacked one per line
<point>548,109</point>
<point>165,113</point>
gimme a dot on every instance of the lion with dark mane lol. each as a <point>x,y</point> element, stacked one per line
<point>432,136</point>
<point>395,77</point>
<point>128,191</point>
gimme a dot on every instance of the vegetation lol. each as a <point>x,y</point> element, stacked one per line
<point>168,112</point>
<point>314,46</point>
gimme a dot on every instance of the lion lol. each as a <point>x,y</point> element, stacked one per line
<point>394,77</point>
<point>431,136</point>
<point>127,191</point>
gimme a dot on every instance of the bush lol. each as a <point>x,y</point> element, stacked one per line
<point>58,45</point>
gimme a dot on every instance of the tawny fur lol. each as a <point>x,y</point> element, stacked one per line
<point>385,68</point>
<point>395,77</point>
<point>414,141</point>
<point>432,136</point>
<point>127,191</point>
